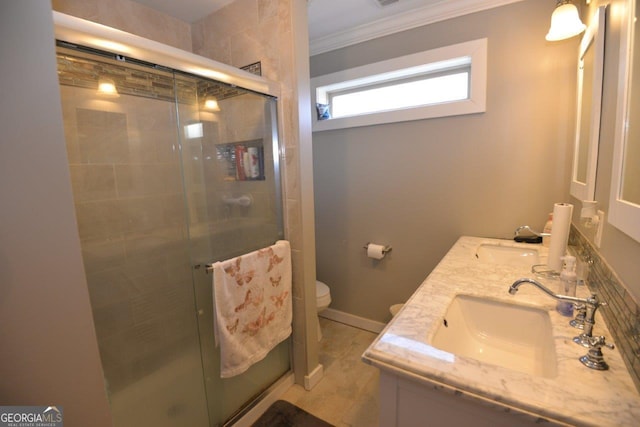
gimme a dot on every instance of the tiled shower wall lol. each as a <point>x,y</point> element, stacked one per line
<point>125,165</point>
<point>244,32</point>
<point>129,205</point>
<point>132,17</point>
<point>621,313</point>
<point>247,31</point>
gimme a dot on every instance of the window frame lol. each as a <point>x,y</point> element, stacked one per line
<point>421,63</point>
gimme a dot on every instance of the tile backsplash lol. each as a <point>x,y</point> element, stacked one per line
<point>137,78</point>
<point>622,313</point>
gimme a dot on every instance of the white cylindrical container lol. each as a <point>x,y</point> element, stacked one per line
<point>568,282</point>
<point>560,235</point>
<point>546,240</point>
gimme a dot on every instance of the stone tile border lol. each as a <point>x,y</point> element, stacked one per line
<point>621,313</point>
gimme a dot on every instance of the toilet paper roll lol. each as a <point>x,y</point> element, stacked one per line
<point>559,234</point>
<point>375,251</point>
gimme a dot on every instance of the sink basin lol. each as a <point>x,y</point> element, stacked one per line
<point>508,335</point>
<point>511,255</point>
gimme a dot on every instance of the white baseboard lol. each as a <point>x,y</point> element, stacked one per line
<point>311,380</point>
<point>274,393</point>
<point>353,320</point>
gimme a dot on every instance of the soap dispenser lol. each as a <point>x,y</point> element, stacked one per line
<point>568,282</point>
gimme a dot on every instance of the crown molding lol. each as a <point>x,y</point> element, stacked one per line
<point>401,22</point>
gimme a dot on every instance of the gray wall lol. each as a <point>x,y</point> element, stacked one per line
<point>420,185</point>
<point>49,354</point>
<point>620,250</point>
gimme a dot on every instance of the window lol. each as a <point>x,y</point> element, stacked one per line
<point>427,89</point>
<point>441,82</point>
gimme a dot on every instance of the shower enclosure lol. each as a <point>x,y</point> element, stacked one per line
<point>170,172</point>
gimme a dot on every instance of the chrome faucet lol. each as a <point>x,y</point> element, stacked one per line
<point>594,358</point>
<point>590,303</point>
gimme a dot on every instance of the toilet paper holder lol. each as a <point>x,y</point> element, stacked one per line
<point>384,251</point>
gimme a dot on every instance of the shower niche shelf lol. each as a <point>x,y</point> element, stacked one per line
<point>244,160</point>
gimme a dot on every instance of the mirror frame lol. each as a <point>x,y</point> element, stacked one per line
<point>624,215</point>
<point>593,38</point>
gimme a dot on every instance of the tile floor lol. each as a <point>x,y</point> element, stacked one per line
<point>347,395</point>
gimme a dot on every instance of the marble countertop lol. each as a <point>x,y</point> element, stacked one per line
<point>577,395</point>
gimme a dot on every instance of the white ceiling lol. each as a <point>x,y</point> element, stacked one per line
<point>338,23</point>
<point>328,17</point>
<point>325,16</point>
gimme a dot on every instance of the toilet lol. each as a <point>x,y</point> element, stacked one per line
<point>323,299</point>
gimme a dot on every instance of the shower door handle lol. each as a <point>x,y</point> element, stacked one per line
<point>207,267</point>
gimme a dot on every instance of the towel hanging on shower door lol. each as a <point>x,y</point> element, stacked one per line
<point>252,304</point>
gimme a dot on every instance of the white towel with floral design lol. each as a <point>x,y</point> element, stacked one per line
<point>252,305</point>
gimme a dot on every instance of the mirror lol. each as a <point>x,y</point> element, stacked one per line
<point>624,204</point>
<point>590,69</point>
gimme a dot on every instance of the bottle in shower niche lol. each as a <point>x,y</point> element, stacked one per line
<point>568,282</point>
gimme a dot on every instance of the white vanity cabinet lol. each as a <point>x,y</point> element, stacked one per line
<point>407,403</point>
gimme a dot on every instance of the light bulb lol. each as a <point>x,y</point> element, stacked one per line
<point>107,87</point>
<point>211,104</point>
<point>565,22</point>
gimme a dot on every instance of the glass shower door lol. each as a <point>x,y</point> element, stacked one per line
<point>232,187</point>
<point>125,163</point>
<point>164,183</point>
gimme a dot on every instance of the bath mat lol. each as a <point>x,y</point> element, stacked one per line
<point>284,414</point>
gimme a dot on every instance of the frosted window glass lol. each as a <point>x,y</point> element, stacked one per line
<point>428,91</point>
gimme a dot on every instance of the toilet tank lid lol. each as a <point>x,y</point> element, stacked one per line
<point>321,288</point>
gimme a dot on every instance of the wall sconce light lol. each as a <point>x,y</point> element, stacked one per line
<point>565,21</point>
<point>106,87</point>
<point>211,104</point>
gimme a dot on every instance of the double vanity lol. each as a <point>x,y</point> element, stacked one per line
<point>464,351</point>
